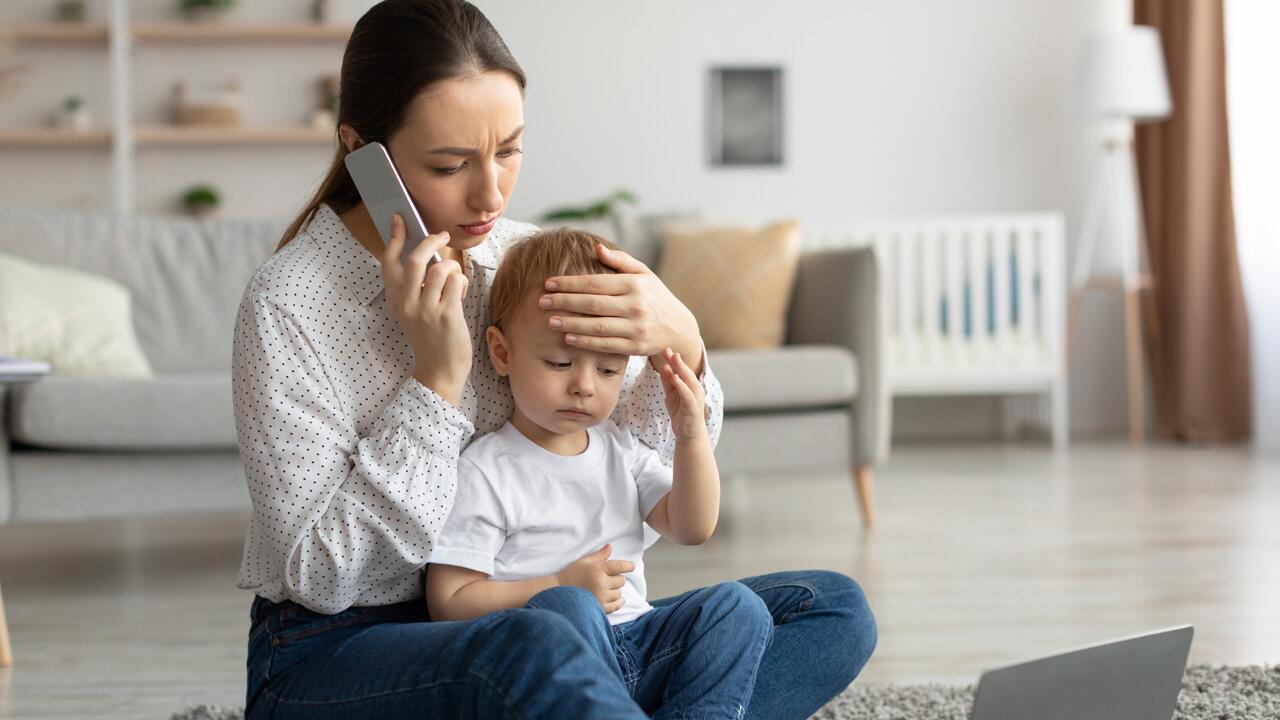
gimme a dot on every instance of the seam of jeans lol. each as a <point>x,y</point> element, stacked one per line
<point>805,605</point>
<point>308,631</point>
<point>666,653</point>
<point>785,583</point>
<point>630,671</point>
<point>425,686</point>
<point>762,646</point>
<point>257,629</point>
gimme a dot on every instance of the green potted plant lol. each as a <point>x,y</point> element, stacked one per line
<point>201,200</point>
<point>201,10</point>
<point>608,208</point>
<point>69,11</point>
<point>73,115</point>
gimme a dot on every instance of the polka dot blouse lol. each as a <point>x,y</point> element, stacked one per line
<point>351,462</point>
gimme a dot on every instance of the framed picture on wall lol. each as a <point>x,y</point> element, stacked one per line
<point>744,116</point>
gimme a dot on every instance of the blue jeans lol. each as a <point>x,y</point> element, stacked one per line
<point>694,657</point>
<point>390,662</point>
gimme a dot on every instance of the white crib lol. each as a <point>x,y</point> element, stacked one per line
<point>975,305</point>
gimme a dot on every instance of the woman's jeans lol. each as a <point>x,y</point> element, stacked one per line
<point>390,662</point>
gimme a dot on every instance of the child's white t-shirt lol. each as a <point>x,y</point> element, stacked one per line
<point>522,511</point>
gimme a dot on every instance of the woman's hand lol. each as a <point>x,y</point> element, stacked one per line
<point>633,312</point>
<point>685,398</point>
<point>428,304</point>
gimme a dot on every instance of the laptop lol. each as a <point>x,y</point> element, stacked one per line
<point>1134,678</point>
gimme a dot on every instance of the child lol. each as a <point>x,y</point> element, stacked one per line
<point>551,508</point>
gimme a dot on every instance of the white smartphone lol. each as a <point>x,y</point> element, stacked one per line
<point>384,194</point>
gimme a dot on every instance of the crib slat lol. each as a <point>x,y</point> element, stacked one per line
<point>1001,259</point>
<point>1027,312</point>
<point>1051,311</point>
<point>977,339</point>
<point>954,292</point>
<point>931,312</point>
<point>906,291</point>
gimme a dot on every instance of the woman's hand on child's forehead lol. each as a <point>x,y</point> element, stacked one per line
<point>634,312</point>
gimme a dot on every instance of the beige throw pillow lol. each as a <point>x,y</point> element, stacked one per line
<point>79,323</point>
<point>736,281</point>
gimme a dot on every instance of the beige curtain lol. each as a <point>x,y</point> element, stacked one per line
<point>1197,331</point>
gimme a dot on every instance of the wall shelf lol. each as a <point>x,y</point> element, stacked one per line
<point>195,135</point>
<point>69,32</point>
<point>120,38</point>
<point>179,32</point>
<point>52,138</point>
<point>216,32</point>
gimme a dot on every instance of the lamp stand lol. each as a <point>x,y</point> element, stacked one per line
<point>1116,178</point>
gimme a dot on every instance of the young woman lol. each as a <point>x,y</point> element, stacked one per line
<point>359,377</point>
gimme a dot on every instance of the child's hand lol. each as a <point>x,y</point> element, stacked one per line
<point>599,575</point>
<point>686,400</point>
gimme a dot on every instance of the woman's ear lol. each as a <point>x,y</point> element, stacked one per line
<point>499,351</point>
<point>350,138</point>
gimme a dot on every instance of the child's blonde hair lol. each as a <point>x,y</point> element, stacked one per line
<point>532,261</point>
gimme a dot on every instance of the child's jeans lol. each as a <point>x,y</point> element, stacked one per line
<point>823,633</point>
<point>695,657</point>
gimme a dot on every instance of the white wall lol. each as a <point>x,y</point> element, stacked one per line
<point>1253,88</point>
<point>893,108</point>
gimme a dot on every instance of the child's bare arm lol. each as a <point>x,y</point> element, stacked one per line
<point>458,593</point>
<point>688,514</point>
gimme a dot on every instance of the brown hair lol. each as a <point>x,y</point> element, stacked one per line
<point>398,49</point>
<point>529,263</point>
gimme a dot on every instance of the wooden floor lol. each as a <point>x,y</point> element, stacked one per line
<point>983,555</point>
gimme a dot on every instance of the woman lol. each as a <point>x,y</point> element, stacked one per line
<point>359,377</point>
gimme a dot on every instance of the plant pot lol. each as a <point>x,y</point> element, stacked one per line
<point>201,211</point>
<point>205,14</point>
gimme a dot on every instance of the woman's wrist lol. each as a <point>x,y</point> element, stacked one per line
<point>688,343</point>
<point>449,390</point>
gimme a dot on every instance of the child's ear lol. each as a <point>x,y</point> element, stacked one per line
<point>499,352</point>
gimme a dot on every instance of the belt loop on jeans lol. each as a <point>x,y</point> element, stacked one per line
<point>261,608</point>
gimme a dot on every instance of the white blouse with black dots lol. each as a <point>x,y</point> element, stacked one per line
<point>350,461</point>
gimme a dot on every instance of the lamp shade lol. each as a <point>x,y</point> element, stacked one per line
<point>1123,76</point>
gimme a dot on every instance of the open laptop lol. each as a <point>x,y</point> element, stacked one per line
<point>1134,678</point>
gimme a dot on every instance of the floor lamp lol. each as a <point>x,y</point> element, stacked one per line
<point>1124,83</point>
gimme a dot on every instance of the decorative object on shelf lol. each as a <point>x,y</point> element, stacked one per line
<point>220,109</point>
<point>744,116</point>
<point>201,200</point>
<point>69,11</point>
<point>325,117</point>
<point>205,10</point>
<point>608,209</point>
<point>73,115</point>
<point>322,11</point>
<point>9,71</point>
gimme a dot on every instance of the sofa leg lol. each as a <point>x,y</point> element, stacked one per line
<point>6,652</point>
<point>866,495</point>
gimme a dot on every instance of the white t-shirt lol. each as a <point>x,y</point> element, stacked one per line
<point>522,511</point>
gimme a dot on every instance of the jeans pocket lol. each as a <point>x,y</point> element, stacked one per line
<point>298,623</point>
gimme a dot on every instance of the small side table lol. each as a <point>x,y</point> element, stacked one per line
<point>10,378</point>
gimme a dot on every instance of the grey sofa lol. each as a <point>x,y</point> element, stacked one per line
<point>83,448</point>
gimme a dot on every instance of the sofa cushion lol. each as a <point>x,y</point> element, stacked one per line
<point>735,281</point>
<point>185,276</point>
<point>166,412</point>
<point>790,377</point>
<point>80,323</point>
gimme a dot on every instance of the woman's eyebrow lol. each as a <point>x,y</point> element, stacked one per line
<point>468,152</point>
